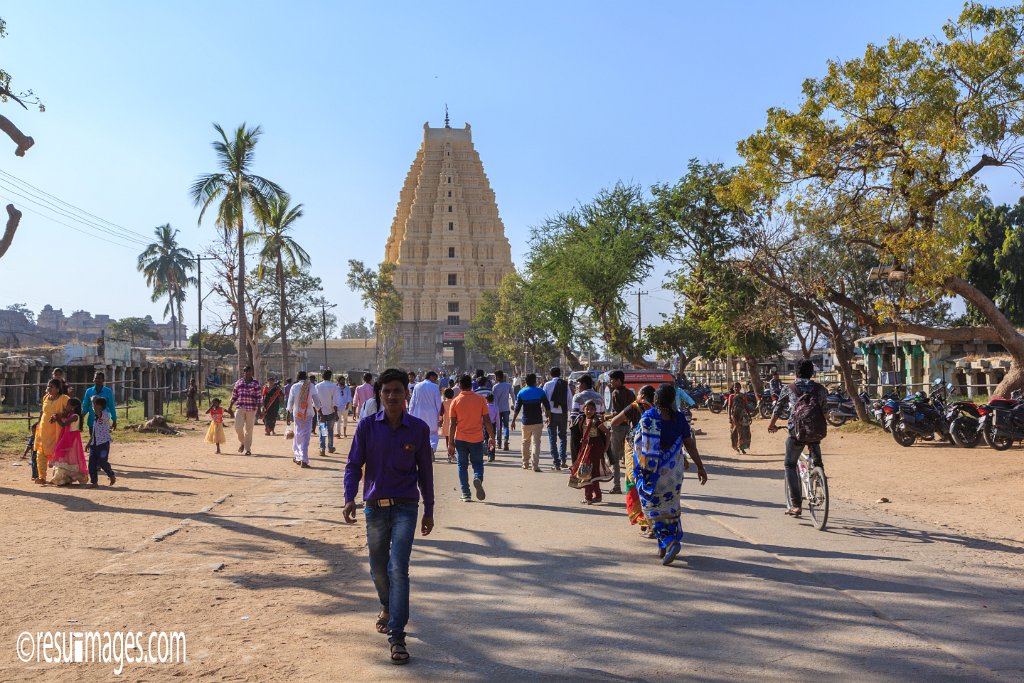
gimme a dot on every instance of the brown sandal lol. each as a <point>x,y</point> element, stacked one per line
<point>399,655</point>
<point>382,622</point>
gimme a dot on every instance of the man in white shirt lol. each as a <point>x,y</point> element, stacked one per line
<point>426,404</point>
<point>344,403</point>
<point>560,398</point>
<point>329,394</point>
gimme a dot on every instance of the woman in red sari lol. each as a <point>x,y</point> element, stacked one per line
<point>590,467</point>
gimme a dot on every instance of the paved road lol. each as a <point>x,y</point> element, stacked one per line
<point>533,585</point>
<point>249,556</point>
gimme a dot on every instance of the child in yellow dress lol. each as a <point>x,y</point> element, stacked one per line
<point>215,434</point>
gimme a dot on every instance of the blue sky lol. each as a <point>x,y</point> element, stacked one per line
<point>564,98</point>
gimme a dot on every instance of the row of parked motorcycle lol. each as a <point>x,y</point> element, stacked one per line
<point>924,416</point>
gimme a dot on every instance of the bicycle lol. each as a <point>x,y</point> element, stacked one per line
<point>814,485</point>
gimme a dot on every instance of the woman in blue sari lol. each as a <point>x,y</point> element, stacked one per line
<point>658,465</point>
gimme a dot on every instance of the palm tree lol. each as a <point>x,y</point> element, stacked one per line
<point>280,251</point>
<point>167,267</point>
<point>236,189</point>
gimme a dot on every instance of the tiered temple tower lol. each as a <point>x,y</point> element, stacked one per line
<point>449,245</point>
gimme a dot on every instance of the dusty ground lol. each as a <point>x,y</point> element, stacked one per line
<point>256,568</point>
<point>977,491</point>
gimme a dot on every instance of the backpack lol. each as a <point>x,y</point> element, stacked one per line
<point>558,395</point>
<point>808,416</point>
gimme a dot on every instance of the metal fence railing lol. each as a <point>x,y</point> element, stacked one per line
<point>132,398</point>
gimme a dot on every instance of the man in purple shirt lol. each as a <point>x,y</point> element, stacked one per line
<point>391,452</point>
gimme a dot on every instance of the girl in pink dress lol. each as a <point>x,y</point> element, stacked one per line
<point>68,461</point>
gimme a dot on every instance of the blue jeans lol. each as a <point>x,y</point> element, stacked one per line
<point>328,437</point>
<point>99,458</point>
<point>469,452</point>
<point>503,427</point>
<point>556,430</point>
<point>389,535</point>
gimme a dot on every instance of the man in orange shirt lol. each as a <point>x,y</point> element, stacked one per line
<point>469,417</point>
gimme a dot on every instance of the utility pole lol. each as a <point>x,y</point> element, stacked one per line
<point>323,321</point>
<point>200,375</point>
<point>639,319</point>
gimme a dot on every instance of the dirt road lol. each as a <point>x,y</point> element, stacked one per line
<point>249,558</point>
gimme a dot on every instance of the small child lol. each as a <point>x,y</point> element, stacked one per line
<point>446,419</point>
<point>30,448</point>
<point>99,442</point>
<point>492,415</point>
<point>215,434</point>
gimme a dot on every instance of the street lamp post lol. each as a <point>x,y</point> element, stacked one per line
<point>323,321</point>
<point>893,275</point>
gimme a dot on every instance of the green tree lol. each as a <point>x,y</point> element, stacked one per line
<point>680,336</point>
<point>996,258</point>
<point>132,329</point>
<point>280,253</point>
<point>892,145</point>
<point>304,323</point>
<point>591,256</point>
<point>220,344</point>
<point>24,310</point>
<point>166,267</point>
<point>378,292</point>
<point>235,189</point>
<point>361,329</point>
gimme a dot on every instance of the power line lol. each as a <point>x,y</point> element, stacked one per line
<point>128,232</point>
<point>14,189</point>
<point>68,225</point>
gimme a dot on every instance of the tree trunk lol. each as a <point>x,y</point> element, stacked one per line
<point>755,376</point>
<point>23,142</point>
<point>684,360</point>
<point>1009,336</point>
<point>13,219</point>
<point>572,359</point>
<point>284,331</point>
<point>845,361</point>
<point>244,349</point>
<point>174,322</point>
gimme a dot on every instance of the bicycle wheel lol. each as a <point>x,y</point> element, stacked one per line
<point>817,498</point>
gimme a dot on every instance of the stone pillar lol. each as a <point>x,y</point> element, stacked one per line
<point>20,393</point>
<point>34,395</point>
<point>992,377</point>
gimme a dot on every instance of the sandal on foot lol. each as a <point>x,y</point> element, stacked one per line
<point>794,512</point>
<point>382,622</point>
<point>399,655</point>
<point>670,554</point>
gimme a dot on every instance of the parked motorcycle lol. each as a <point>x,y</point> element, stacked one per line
<point>878,410</point>
<point>963,418</point>
<point>1002,421</point>
<point>922,417</point>
<point>841,408</point>
<point>766,403</point>
<point>699,394</point>
<point>715,402</point>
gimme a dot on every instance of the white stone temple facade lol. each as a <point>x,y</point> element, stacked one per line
<point>448,243</point>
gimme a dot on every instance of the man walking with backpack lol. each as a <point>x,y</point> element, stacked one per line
<point>560,399</point>
<point>808,401</point>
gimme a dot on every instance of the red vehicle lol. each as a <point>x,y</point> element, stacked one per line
<point>637,378</point>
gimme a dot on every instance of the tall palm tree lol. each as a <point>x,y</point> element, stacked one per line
<point>234,188</point>
<point>166,267</point>
<point>279,251</point>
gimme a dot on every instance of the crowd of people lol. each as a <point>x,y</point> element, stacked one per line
<point>401,418</point>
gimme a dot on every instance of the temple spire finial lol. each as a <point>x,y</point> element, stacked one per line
<point>446,123</point>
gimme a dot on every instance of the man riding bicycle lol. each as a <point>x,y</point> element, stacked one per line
<point>807,427</point>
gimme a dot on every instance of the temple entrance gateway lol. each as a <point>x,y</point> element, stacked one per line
<point>448,243</point>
